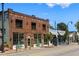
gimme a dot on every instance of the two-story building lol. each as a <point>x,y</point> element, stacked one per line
<point>28,30</point>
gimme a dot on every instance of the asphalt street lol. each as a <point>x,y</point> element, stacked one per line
<point>74,52</point>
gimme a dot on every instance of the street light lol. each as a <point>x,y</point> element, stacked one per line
<point>2,27</point>
<point>68,32</point>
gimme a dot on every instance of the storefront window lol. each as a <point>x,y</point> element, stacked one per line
<point>18,38</point>
<point>45,40</point>
<point>37,37</point>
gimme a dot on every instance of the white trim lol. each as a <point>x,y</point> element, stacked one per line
<point>55,32</point>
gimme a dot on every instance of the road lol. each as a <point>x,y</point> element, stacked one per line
<point>62,50</point>
<point>70,53</point>
<point>74,52</point>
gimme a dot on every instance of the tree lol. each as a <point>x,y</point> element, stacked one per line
<point>63,26</point>
<point>77,26</point>
<point>48,37</point>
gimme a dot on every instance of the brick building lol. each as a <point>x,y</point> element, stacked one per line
<point>24,29</point>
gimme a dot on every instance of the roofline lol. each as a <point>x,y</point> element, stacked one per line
<point>33,16</point>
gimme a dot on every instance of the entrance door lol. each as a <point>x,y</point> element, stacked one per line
<point>29,42</point>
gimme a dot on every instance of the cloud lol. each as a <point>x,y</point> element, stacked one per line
<point>63,5</point>
<point>51,4</point>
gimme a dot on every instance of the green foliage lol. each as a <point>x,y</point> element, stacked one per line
<point>49,36</point>
<point>63,26</point>
<point>65,36</point>
<point>77,26</point>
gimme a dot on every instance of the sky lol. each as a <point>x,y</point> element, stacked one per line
<point>55,12</point>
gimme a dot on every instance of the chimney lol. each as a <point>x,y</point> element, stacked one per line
<point>33,15</point>
<point>10,10</point>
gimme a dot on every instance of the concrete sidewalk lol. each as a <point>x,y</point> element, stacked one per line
<point>42,51</point>
<point>56,50</point>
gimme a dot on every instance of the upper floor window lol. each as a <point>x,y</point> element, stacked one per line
<point>33,26</point>
<point>44,27</point>
<point>19,23</point>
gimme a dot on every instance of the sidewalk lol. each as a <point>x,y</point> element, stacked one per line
<point>43,51</point>
<point>56,50</point>
<point>23,50</point>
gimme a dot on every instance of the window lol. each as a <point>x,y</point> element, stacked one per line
<point>19,23</point>
<point>37,36</point>
<point>21,38</point>
<point>45,40</point>
<point>18,38</point>
<point>33,26</point>
<point>44,27</point>
<point>15,38</point>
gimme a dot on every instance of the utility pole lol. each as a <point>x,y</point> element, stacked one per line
<point>68,32</point>
<point>2,27</point>
<point>57,32</point>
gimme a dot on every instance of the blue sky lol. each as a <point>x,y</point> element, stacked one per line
<point>54,11</point>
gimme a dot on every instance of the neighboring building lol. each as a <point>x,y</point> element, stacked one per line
<point>24,29</point>
<point>57,32</point>
<point>59,36</point>
<point>73,37</point>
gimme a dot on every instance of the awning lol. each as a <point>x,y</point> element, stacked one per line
<point>57,32</point>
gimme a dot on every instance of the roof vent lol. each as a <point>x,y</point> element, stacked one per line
<point>33,15</point>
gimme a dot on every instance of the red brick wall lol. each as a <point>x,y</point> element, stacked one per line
<point>26,24</point>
